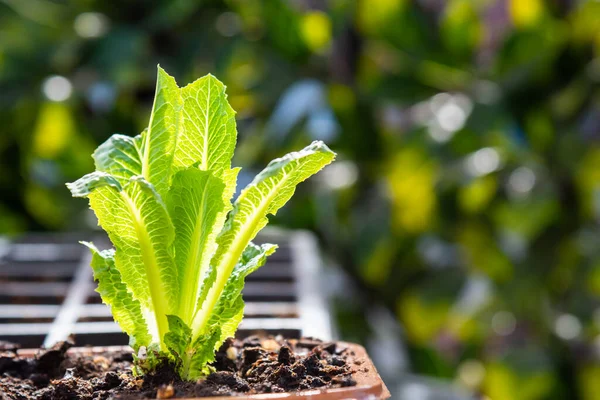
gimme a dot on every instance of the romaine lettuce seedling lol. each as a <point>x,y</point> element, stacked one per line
<point>181,248</point>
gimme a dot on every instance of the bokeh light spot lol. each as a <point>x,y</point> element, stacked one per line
<point>340,175</point>
<point>483,161</point>
<point>316,30</point>
<point>504,323</point>
<point>521,181</point>
<point>57,88</point>
<point>90,25</point>
<point>567,327</point>
<point>228,24</point>
<point>471,373</point>
<point>445,115</point>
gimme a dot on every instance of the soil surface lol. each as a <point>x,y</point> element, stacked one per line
<point>252,365</point>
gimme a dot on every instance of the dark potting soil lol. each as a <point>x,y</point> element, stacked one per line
<point>252,365</point>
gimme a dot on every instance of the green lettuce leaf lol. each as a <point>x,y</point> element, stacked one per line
<point>229,310</point>
<point>253,258</point>
<point>209,134</point>
<point>151,153</point>
<point>85,185</point>
<point>268,192</point>
<point>179,337</point>
<point>159,140</point>
<point>192,356</point>
<point>126,311</point>
<point>140,228</point>
<point>203,353</point>
<point>120,156</point>
<point>195,203</point>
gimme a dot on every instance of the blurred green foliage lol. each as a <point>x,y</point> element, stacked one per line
<point>467,194</point>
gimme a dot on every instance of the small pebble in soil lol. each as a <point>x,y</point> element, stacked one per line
<point>270,345</point>
<point>101,361</point>
<point>165,392</point>
<point>232,353</point>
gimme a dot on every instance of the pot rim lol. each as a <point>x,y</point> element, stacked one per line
<point>369,385</point>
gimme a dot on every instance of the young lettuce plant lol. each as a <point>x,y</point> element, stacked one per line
<point>181,249</point>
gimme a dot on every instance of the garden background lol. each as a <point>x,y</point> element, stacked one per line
<point>465,202</point>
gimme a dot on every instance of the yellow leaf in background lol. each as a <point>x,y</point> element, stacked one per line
<point>461,27</point>
<point>43,204</point>
<point>316,30</point>
<point>593,280</point>
<point>583,22</point>
<point>474,197</point>
<point>369,72</point>
<point>460,11</point>
<point>411,185</point>
<point>341,97</point>
<point>441,76</point>
<point>243,103</point>
<point>536,386</point>
<point>560,278</point>
<point>377,267</point>
<point>539,129</point>
<point>374,15</point>
<point>462,326</point>
<point>525,13</point>
<point>587,177</point>
<point>245,69</point>
<point>588,379</point>
<point>482,252</point>
<point>54,130</point>
<point>422,320</point>
<point>500,382</point>
<point>527,219</point>
<point>503,382</point>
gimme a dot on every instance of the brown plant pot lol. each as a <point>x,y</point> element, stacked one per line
<point>369,385</point>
